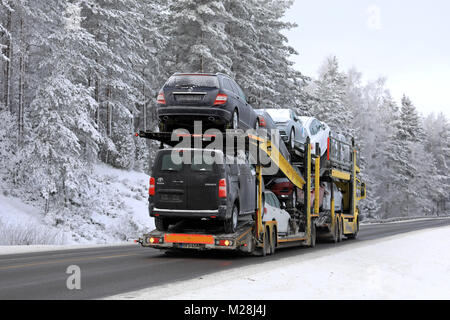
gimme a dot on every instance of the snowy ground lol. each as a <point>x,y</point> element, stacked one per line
<point>120,213</point>
<point>409,266</point>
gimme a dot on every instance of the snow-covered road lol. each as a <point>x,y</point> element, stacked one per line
<point>408,266</point>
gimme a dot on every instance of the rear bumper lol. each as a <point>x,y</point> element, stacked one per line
<point>189,114</point>
<point>220,213</point>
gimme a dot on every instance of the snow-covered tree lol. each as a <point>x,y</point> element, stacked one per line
<point>331,106</point>
<point>63,138</point>
<point>198,41</point>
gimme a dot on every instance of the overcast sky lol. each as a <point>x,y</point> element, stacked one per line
<point>407,41</point>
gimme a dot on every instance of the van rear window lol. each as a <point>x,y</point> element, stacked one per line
<point>197,164</point>
<point>167,164</point>
<point>182,80</point>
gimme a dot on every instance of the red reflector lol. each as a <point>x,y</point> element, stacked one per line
<point>222,188</point>
<point>221,99</point>
<point>213,217</point>
<point>161,99</point>
<point>152,187</point>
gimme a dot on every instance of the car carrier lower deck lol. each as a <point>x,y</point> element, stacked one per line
<point>256,236</point>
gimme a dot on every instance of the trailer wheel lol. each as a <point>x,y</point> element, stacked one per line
<point>339,223</point>
<point>335,231</point>
<point>267,245</point>
<point>313,235</point>
<point>274,241</point>
<point>354,235</point>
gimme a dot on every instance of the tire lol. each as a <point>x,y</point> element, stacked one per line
<point>335,236</point>
<point>230,225</point>
<point>162,224</point>
<point>274,240</point>
<point>313,235</point>
<point>291,140</point>
<point>294,198</point>
<point>256,126</point>
<point>267,250</point>
<point>354,235</point>
<point>339,222</point>
<point>234,123</point>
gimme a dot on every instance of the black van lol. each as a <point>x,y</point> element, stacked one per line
<point>195,188</point>
<point>214,99</point>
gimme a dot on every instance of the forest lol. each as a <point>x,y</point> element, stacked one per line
<point>79,77</point>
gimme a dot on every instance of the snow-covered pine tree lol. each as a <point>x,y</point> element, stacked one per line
<point>63,138</point>
<point>198,41</point>
<point>330,93</point>
<point>118,26</point>
<point>261,54</point>
<point>405,156</point>
<point>438,148</point>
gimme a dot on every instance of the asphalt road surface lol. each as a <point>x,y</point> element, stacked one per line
<point>113,270</point>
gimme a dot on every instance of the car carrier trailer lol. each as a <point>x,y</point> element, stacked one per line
<point>261,237</point>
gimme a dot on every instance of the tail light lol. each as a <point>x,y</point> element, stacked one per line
<point>151,188</point>
<point>161,99</point>
<point>221,98</point>
<point>262,122</point>
<point>224,243</point>
<point>153,240</point>
<point>328,148</point>
<point>222,188</point>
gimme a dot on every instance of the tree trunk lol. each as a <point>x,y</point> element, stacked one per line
<point>7,70</point>
<point>97,98</point>
<point>21,82</point>
<point>108,112</point>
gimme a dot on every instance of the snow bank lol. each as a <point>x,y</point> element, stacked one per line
<point>408,266</point>
<point>117,212</point>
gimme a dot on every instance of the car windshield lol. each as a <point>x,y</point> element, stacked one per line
<point>193,80</point>
<point>279,115</point>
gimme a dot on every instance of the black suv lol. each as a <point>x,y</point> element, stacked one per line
<point>214,99</point>
<point>194,189</point>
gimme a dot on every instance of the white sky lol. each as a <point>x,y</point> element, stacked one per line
<point>406,41</point>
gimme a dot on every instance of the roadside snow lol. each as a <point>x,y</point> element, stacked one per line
<point>14,210</point>
<point>408,266</point>
<point>116,213</point>
<point>5,250</point>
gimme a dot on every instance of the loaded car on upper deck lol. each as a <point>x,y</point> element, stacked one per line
<point>214,99</point>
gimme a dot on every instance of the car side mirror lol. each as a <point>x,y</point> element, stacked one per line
<point>283,205</point>
<point>363,190</point>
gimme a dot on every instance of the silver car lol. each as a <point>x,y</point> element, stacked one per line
<point>290,126</point>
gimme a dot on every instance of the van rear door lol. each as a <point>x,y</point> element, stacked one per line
<point>203,184</point>
<point>171,184</point>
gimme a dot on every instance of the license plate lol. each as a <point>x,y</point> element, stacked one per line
<point>170,197</point>
<point>189,245</point>
<point>188,97</point>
